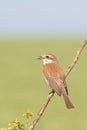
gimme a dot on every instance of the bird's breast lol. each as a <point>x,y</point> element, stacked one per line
<point>53,70</point>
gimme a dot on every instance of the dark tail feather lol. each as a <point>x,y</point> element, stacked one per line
<point>67,101</point>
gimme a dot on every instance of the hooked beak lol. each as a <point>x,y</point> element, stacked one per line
<point>40,57</point>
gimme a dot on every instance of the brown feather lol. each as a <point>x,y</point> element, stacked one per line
<point>52,72</point>
<point>67,101</point>
<point>56,79</point>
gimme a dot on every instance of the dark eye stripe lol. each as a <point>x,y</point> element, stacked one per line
<point>47,57</point>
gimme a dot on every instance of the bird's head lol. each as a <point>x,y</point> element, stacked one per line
<point>47,58</point>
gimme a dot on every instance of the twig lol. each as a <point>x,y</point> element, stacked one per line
<point>76,58</point>
<point>51,94</point>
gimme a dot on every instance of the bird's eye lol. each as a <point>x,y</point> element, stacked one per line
<point>47,56</point>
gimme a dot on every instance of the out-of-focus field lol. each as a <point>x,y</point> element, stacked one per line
<point>22,85</point>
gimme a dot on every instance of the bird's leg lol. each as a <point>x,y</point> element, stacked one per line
<point>52,91</point>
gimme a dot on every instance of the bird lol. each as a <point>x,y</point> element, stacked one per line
<point>55,77</point>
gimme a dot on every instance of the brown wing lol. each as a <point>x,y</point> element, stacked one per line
<point>56,85</point>
<point>55,77</point>
<point>65,85</point>
<point>59,87</point>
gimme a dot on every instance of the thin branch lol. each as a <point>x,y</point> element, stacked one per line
<point>51,94</point>
<point>76,58</point>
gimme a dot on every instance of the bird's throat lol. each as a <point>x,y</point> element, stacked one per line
<point>47,61</point>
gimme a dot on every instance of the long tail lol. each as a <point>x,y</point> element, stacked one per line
<point>67,101</point>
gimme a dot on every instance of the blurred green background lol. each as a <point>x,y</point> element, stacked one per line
<point>28,29</point>
<point>22,85</point>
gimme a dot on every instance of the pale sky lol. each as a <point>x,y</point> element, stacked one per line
<point>43,17</point>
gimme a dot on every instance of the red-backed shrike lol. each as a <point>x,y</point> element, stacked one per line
<point>55,77</point>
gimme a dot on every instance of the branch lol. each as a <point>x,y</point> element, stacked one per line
<point>35,121</point>
<point>51,94</point>
<point>76,58</point>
